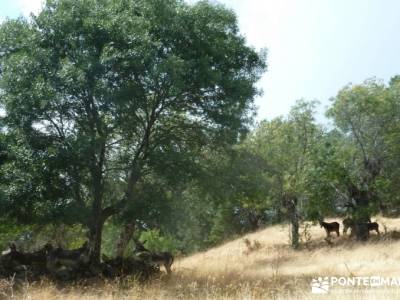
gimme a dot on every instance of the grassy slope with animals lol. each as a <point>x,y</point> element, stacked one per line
<point>264,268</point>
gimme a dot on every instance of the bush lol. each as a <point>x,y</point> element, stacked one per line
<point>155,241</point>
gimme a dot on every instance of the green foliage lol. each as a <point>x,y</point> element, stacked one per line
<point>33,237</point>
<point>9,232</point>
<point>110,236</point>
<point>324,177</point>
<point>223,226</point>
<point>155,241</point>
<point>287,146</point>
<point>368,116</point>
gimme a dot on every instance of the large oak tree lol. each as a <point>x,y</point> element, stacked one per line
<point>99,93</point>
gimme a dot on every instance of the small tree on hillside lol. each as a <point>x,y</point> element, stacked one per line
<point>287,147</point>
<point>368,116</point>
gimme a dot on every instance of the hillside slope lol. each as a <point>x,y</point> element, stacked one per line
<point>270,271</point>
<point>280,271</point>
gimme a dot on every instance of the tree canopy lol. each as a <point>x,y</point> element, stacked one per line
<point>99,95</point>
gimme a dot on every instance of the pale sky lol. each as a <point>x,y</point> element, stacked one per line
<point>315,47</point>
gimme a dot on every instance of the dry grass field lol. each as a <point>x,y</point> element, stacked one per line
<point>270,270</point>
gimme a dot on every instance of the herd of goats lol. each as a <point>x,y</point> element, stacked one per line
<point>358,229</point>
<point>62,264</point>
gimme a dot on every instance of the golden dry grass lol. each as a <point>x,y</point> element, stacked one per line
<point>274,271</point>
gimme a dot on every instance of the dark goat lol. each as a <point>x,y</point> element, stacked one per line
<point>373,226</point>
<point>155,258</point>
<point>163,258</point>
<point>370,226</point>
<point>330,227</point>
<point>15,261</point>
<point>58,258</point>
<point>347,223</point>
<point>15,256</point>
<point>139,246</point>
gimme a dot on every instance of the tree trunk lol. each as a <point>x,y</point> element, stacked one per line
<point>294,221</point>
<point>361,231</point>
<point>96,225</point>
<point>254,220</point>
<point>291,203</point>
<point>98,218</point>
<point>95,239</point>
<point>124,238</point>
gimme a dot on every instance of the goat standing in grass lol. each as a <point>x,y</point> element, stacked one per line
<point>330,227</point>
<point>347,223</point>
<point>70,259</point>
<point>350,223</point>
<point>373,226</point>
<point>155,258</point>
